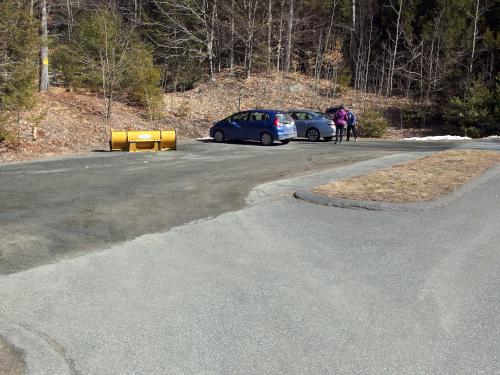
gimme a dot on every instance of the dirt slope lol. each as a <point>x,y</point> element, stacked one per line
<point>73,122</point>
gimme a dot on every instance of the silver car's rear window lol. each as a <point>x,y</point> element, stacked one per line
<point>284,117</point>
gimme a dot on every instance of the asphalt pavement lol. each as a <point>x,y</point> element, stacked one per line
<point>265,284</point>
<point>64,207</point>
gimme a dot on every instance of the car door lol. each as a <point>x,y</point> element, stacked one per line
<point>237,126</point>
<point>257,122</point>
<point>301,122</point>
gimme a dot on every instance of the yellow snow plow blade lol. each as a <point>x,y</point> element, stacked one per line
<point>147,140</point>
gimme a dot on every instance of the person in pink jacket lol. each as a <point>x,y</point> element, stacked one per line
<point>340,119</point>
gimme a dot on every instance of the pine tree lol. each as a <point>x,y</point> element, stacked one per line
<point>18,55</point>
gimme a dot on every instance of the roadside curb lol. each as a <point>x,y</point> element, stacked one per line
<point>309,196</point>
<point>39,356</point>
<point>288,186</point>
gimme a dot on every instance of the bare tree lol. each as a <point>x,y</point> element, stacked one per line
<point>193,23</point>
<point>395,49</point>
<point>474,37</point>
<point>231,53</point>
<point>288,60</point>
<point>280,36</point>
<point>269,32</point>
<point>44,48</point>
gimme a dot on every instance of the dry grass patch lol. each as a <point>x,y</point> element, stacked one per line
<point>419,180</point>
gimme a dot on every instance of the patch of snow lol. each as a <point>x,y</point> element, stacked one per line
<point>438,138</point>
<point>493,137</point>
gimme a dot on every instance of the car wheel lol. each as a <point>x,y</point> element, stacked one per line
<point>328,139</point>
<point>312,135</point>
<point>219,136</point>
<point>266,139</point>
<point>285,141</point>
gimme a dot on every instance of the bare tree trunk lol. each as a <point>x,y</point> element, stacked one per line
<point>354,59</point>
<point>70,18</point>
<point>354,14</point>
<point>474,38</point>
<point>249,37</point>
<point>382,73</point>
<point>318,62</point>
<point>44,49</point>
<point>491,68</point>
<point>431,67</point>
<point>231,52</point>
<point>280,37</point>
<point>104,87</point>
<point>367,68</point>
<point>269,33</point>
<point>288,61</point>
<point>436,69</point>
<point>327,39</point>
<point>210,32</point>
<point>395,50</point>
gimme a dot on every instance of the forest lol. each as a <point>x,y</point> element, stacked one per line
<point>443,53</point>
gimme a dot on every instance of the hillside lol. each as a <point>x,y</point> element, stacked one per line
<point>71,122</point>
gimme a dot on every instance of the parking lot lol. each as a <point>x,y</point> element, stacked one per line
<point>62,207</point>
<point>225,284</point>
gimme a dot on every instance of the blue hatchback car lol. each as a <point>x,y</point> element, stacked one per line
<point>262,125</point>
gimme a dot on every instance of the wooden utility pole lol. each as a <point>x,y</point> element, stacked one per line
<point>44,49</point>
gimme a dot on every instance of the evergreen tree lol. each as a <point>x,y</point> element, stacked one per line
<point>18,56</point>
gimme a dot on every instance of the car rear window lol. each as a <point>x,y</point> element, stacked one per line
<point>284,118</point>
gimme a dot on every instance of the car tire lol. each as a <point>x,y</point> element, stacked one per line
<point>285,141</point>
<point>219,136</point>
<point>266,139</point>
<point>313,135</point>
<point>328,139</point>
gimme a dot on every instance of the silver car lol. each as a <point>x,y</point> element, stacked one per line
<point>312,125</point>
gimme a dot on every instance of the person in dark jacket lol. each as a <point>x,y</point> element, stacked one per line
<point>351,125</point>
<point>340,120</point>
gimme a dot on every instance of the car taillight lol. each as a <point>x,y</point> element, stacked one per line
<point>276,122</point>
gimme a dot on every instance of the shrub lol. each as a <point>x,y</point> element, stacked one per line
<point>4,134</point>
<point>372,124</point>
<point>183,109</point>
<point>473,132</point>
<point>142,81</point>
<point>477,113</point>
